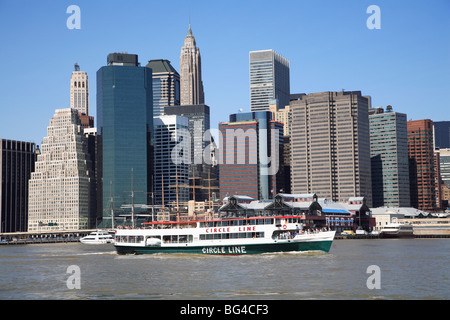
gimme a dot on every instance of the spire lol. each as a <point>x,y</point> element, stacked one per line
<point>189,34</point>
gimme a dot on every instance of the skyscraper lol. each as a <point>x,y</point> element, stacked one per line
<point>445,175</point>
<point>422,164</point>
<point>389,156</point>
<point>445,166</point>
<point>330,146</point>
<point>171,161</point>
<point>124,131</point>
<point>269,79</point>
<point>191,72</point>
<point>442,134</point>
<point>17,159</point>
<point>202,168</point>
<point>79,91</point>
<point>251,155</point>
<point>166,85</point>
<point>59,189</point>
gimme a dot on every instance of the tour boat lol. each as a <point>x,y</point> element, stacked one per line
<point>236,236</point>
<point>397,230</point>
<point>98,237</point>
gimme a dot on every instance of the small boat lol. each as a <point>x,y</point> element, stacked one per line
<point>98,237</point>
<point>235,236</point>
<point>397,230</point>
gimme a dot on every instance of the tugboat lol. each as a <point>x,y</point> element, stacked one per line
<point>225,236</point>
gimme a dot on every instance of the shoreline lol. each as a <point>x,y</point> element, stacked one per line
<point>338,237</point>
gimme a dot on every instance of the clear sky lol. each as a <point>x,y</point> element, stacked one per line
<point>406,63</point>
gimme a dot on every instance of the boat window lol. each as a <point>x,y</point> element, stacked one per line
<point>185,238</point>
<point>237,235</point>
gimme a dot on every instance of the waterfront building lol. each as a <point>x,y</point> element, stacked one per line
<point>330,145</point>
<point>191,90</point>
<point>124,133</point>
<point>79,90</point>
<point>422,173</point>
<point>445,165</point>
<point>251,155</point>
<point>166,85</point>
<point>59,188</point>
<point>269,79</point>
<point>389,158</point>
<point>445,173</point>
<point>320,213</point>
<point>442,134</point>
<point>171,161</point>
<point>17,160</point>
<point>203,169</point>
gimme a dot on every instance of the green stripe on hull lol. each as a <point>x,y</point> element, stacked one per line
<point>231,249</point>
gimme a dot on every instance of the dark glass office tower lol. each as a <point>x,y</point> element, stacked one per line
<point>442,134</point>
<point>125,126</point>
<point>17,161</point>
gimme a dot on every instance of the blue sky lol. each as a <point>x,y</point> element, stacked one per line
<point>406,63</point>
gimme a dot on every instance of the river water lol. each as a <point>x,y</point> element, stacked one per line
<point>407,269</point>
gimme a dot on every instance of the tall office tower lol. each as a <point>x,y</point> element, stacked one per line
<point>251,155</point>
<point>79,91</point>
<point>191,72</point>
<point>203,167</point>
<point>445,174</point>
<point>59,189</point>
<point>284,115</point>
<point>269,79</point>
<point>124,132</point>
<point>330,146</point>
<point>389,156</point>
<point>445,166</point>
<point>17,160</point>
<point>172,158</point>
<point>437,180</point>
<point>166,85</point>
<point>442,134</point>
<point>421,164</point>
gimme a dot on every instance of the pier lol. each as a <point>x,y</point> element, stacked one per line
<point>43,237</point>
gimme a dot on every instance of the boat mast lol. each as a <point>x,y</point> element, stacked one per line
<point>178,208</point>
<point>164,209</point>
<point>132,200</point>
<point>209,188</point>
<point>112,204</point>
<point>193,187</point>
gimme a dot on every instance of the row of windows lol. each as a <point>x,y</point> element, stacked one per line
<point>238,235</point>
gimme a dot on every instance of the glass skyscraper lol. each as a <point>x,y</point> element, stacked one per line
<point>389,158</point>
<point>125,126</point>
<point>269,79</point>
<point>171,161</point>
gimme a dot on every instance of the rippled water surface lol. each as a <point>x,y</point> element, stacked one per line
<point>409,269</point>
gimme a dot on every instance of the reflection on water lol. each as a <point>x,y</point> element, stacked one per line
<point>410,269</point>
